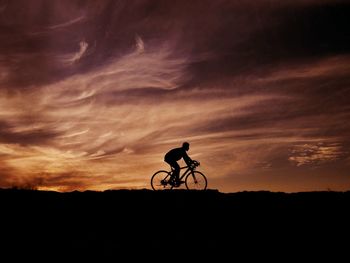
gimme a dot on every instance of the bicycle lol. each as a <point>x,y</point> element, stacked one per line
<point>194,180</point>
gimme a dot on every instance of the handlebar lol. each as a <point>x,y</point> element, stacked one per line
<point>195,163</point>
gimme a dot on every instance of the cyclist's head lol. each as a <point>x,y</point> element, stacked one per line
<point>186,146</point>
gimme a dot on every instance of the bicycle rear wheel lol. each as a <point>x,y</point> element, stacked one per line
<point>159,181</point>
<point>196,181</point>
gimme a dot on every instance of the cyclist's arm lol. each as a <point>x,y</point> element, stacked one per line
<point>187,159</point>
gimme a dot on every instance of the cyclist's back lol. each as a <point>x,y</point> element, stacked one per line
<point>175,154</point>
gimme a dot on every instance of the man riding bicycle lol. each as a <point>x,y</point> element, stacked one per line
<point>165,179</point>
<point>175,155</point>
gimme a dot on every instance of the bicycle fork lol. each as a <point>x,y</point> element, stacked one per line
<point>194,177</point>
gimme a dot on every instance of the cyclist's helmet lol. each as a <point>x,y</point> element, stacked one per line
<point>186,146</point>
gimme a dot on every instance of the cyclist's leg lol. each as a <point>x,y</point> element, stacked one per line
<point>176,168</point>
<point>176,171</point>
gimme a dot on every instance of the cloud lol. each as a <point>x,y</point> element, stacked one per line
<point>140,46</point>
<point>73,58</point>
<point>68,23</point>
<point>315,154</point>
<point>330,66</point>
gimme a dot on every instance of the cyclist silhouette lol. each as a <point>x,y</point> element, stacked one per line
<point>175,155</point>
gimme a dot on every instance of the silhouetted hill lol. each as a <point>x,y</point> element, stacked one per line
<point>144,223</point>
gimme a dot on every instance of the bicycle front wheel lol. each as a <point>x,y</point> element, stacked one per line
<point>196,181</point>
<point>159,181</point>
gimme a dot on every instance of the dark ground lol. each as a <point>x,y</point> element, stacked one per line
<point>174,225</point>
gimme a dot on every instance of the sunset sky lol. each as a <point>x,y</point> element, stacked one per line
<point>94,93</point>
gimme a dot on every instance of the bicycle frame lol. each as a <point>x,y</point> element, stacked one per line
<point>189,169</point>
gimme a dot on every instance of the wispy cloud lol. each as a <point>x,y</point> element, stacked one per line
<point>140,45</point>
<point>67,23</point>
<point>315,154</point>
<point>73,58</point>
<point>321,68</point>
